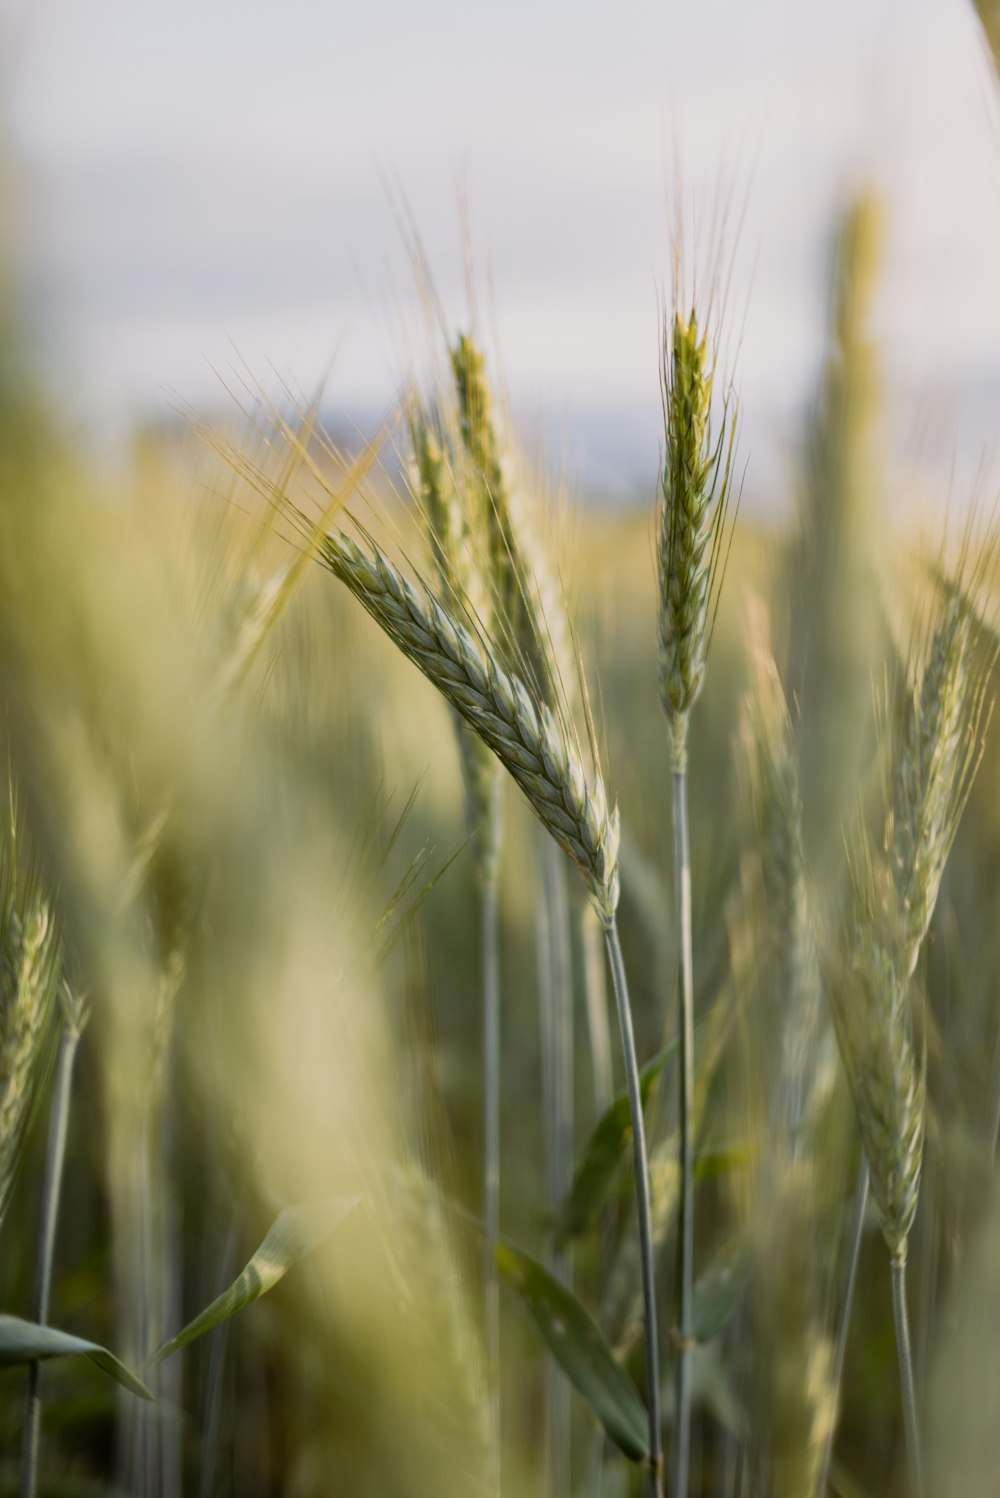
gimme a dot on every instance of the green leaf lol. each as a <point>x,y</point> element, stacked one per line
<point>27,1342</point>
<point>294,1233</point>
<point>581,1349</point>
<point>605,1152</point>
<point>718,1291</point>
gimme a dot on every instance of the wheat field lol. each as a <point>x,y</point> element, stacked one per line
<point>498,992</point>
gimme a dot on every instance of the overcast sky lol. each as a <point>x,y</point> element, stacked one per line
<point>209,176</point>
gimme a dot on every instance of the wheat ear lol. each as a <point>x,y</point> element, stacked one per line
<point>939,758</point>
<point>30,964</point>
<point>463,585</point>
<point>695,491</point>
<point>793,965</point>
<point>533,745</point>
<point>529,598</point>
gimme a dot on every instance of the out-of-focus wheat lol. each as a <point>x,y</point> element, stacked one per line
<point>30,965</point>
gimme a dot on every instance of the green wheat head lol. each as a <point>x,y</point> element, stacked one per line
<point>30,967</point>
<point>695,491</point>
<point>462,583</point>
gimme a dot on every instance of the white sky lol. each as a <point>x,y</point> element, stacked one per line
<point>208,175</point>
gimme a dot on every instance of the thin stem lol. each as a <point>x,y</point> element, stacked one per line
<point>556,998</point>
<point>906,1386</point>
<point>685,1250</point>
<point>491,1134</point>
<point>212,1420</point>
<point>599,1038</point>
<point>620,984</point>
<point>995,1102</point>
<point>562,1028</point>
<point>543,952</point>
<point>168,1237</point>
<point>54,1161</point>
<point>850,1280</point>
<point>596,994</point>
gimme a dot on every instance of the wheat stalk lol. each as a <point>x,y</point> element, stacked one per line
<point>693,502</point>
<point>540,755</point>
<point>534,638</point>
<point>448,530</point>
<point>75,1011</point>
<point>539,750</point>
<point>938,753</point>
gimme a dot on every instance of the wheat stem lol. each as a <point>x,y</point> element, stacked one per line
<point>561,1103</point>
<point>490,913</point>
<point>51,1192</point>
<point>212,1417</point>
<point>620,985</point>
<point>557,1058</point>
<point>596,997</point>
<point>906,1385</point>
<point>995,1103</point>
<point>850,1280</point>
<point>685,1250</point>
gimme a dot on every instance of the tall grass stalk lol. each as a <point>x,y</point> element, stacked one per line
<point>995,1104</point>
<point>454,519</point>
<point>906,1384</point>
<point>490,957</point>
<point>51,1193</point>
<point>596,998</point>
<point>642,1201</point>
<point>532,624</point>
<point>936,750</point>
<point>538,749</point>
<point>212,1410</point>
<point>556,1003</point>
<point>854,1235</point>
<point>685,1256</point>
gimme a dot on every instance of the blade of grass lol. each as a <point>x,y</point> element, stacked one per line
<point>581,1349</point>
<point>294,1234</point>
<point>27,1342</point>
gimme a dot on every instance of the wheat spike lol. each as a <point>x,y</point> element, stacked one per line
<point>461,581</point>
<point>479,437</point>
<point>693,503</point>
<point>935,762</point>
<point>525,735</point>
<point>885,1064</point>
<point>792,958</point>
<point>938,760</point>
<point>529,596</point>
<point>30,965</point>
